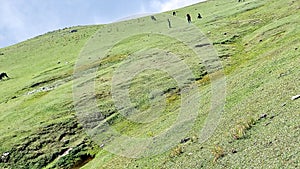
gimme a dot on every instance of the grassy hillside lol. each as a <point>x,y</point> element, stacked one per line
<point>258,44</point>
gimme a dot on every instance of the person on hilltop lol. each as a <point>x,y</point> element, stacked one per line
<point>153,18</point>
<point>199,16</point>
<point>189,18</point>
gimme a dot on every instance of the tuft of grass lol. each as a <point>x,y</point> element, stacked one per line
<point>240,129</point>
<point>177,151</point>
<point>194,138</point>
<point>218,152</point>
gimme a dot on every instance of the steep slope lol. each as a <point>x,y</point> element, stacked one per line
<point>257,42</point>
<point>37,121</point>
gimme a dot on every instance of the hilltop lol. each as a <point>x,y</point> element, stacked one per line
<point>257,43</point>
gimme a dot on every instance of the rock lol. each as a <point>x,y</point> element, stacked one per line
<point>284,104</point>
<point>67,152</point>
<point>233,151</point>
<point>185,140</point>
<point>66,141</point>
<point>272,117</point>
<point>282,75</point>
<point>5,157</point>
<point>295,97</point>
<point>263,116</point>
<point>73,31</point>
<point>6,154</point>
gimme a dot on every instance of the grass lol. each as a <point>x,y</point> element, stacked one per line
<point>239,131</point>
<point>218,152</point>
<point>177,151</point>
<point>258,44</point>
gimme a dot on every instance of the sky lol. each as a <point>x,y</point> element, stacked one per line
<point>24,19</point>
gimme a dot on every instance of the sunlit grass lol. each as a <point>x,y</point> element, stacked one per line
<point>259,48</point>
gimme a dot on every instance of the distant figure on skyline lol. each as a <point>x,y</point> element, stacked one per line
<point>170,25</point>
<point>189,18</point>
<point>153,18</point>
<point>199,16</point>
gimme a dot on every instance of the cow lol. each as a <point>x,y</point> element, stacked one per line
<point>3,75</point>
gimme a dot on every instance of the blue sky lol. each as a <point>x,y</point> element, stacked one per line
<point>23,19</point>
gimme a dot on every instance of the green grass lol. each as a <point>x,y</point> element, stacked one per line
<point>258,44</point>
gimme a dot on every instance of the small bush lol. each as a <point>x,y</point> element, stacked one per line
<point>218,152</point>
<point>239,131</point>
<point>177,151</point>
<point>194,139</point>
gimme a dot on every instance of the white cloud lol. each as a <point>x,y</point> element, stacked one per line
<point>20,20</point>
<point>172,4</point>
<point>10,19</point>
<point>10,16</point>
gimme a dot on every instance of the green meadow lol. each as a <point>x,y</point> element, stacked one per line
<point>45,124</point>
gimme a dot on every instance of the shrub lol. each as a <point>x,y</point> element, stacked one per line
<point>177,151</point>
<point>218,152</point>
<point>239,131</point>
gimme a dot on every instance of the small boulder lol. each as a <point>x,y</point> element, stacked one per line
<point>233,151</point>
<point>73,30</point>
<point>263,116</point>
<point>5,157</point>
<point>185,140</point>
<point>295,97</point>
